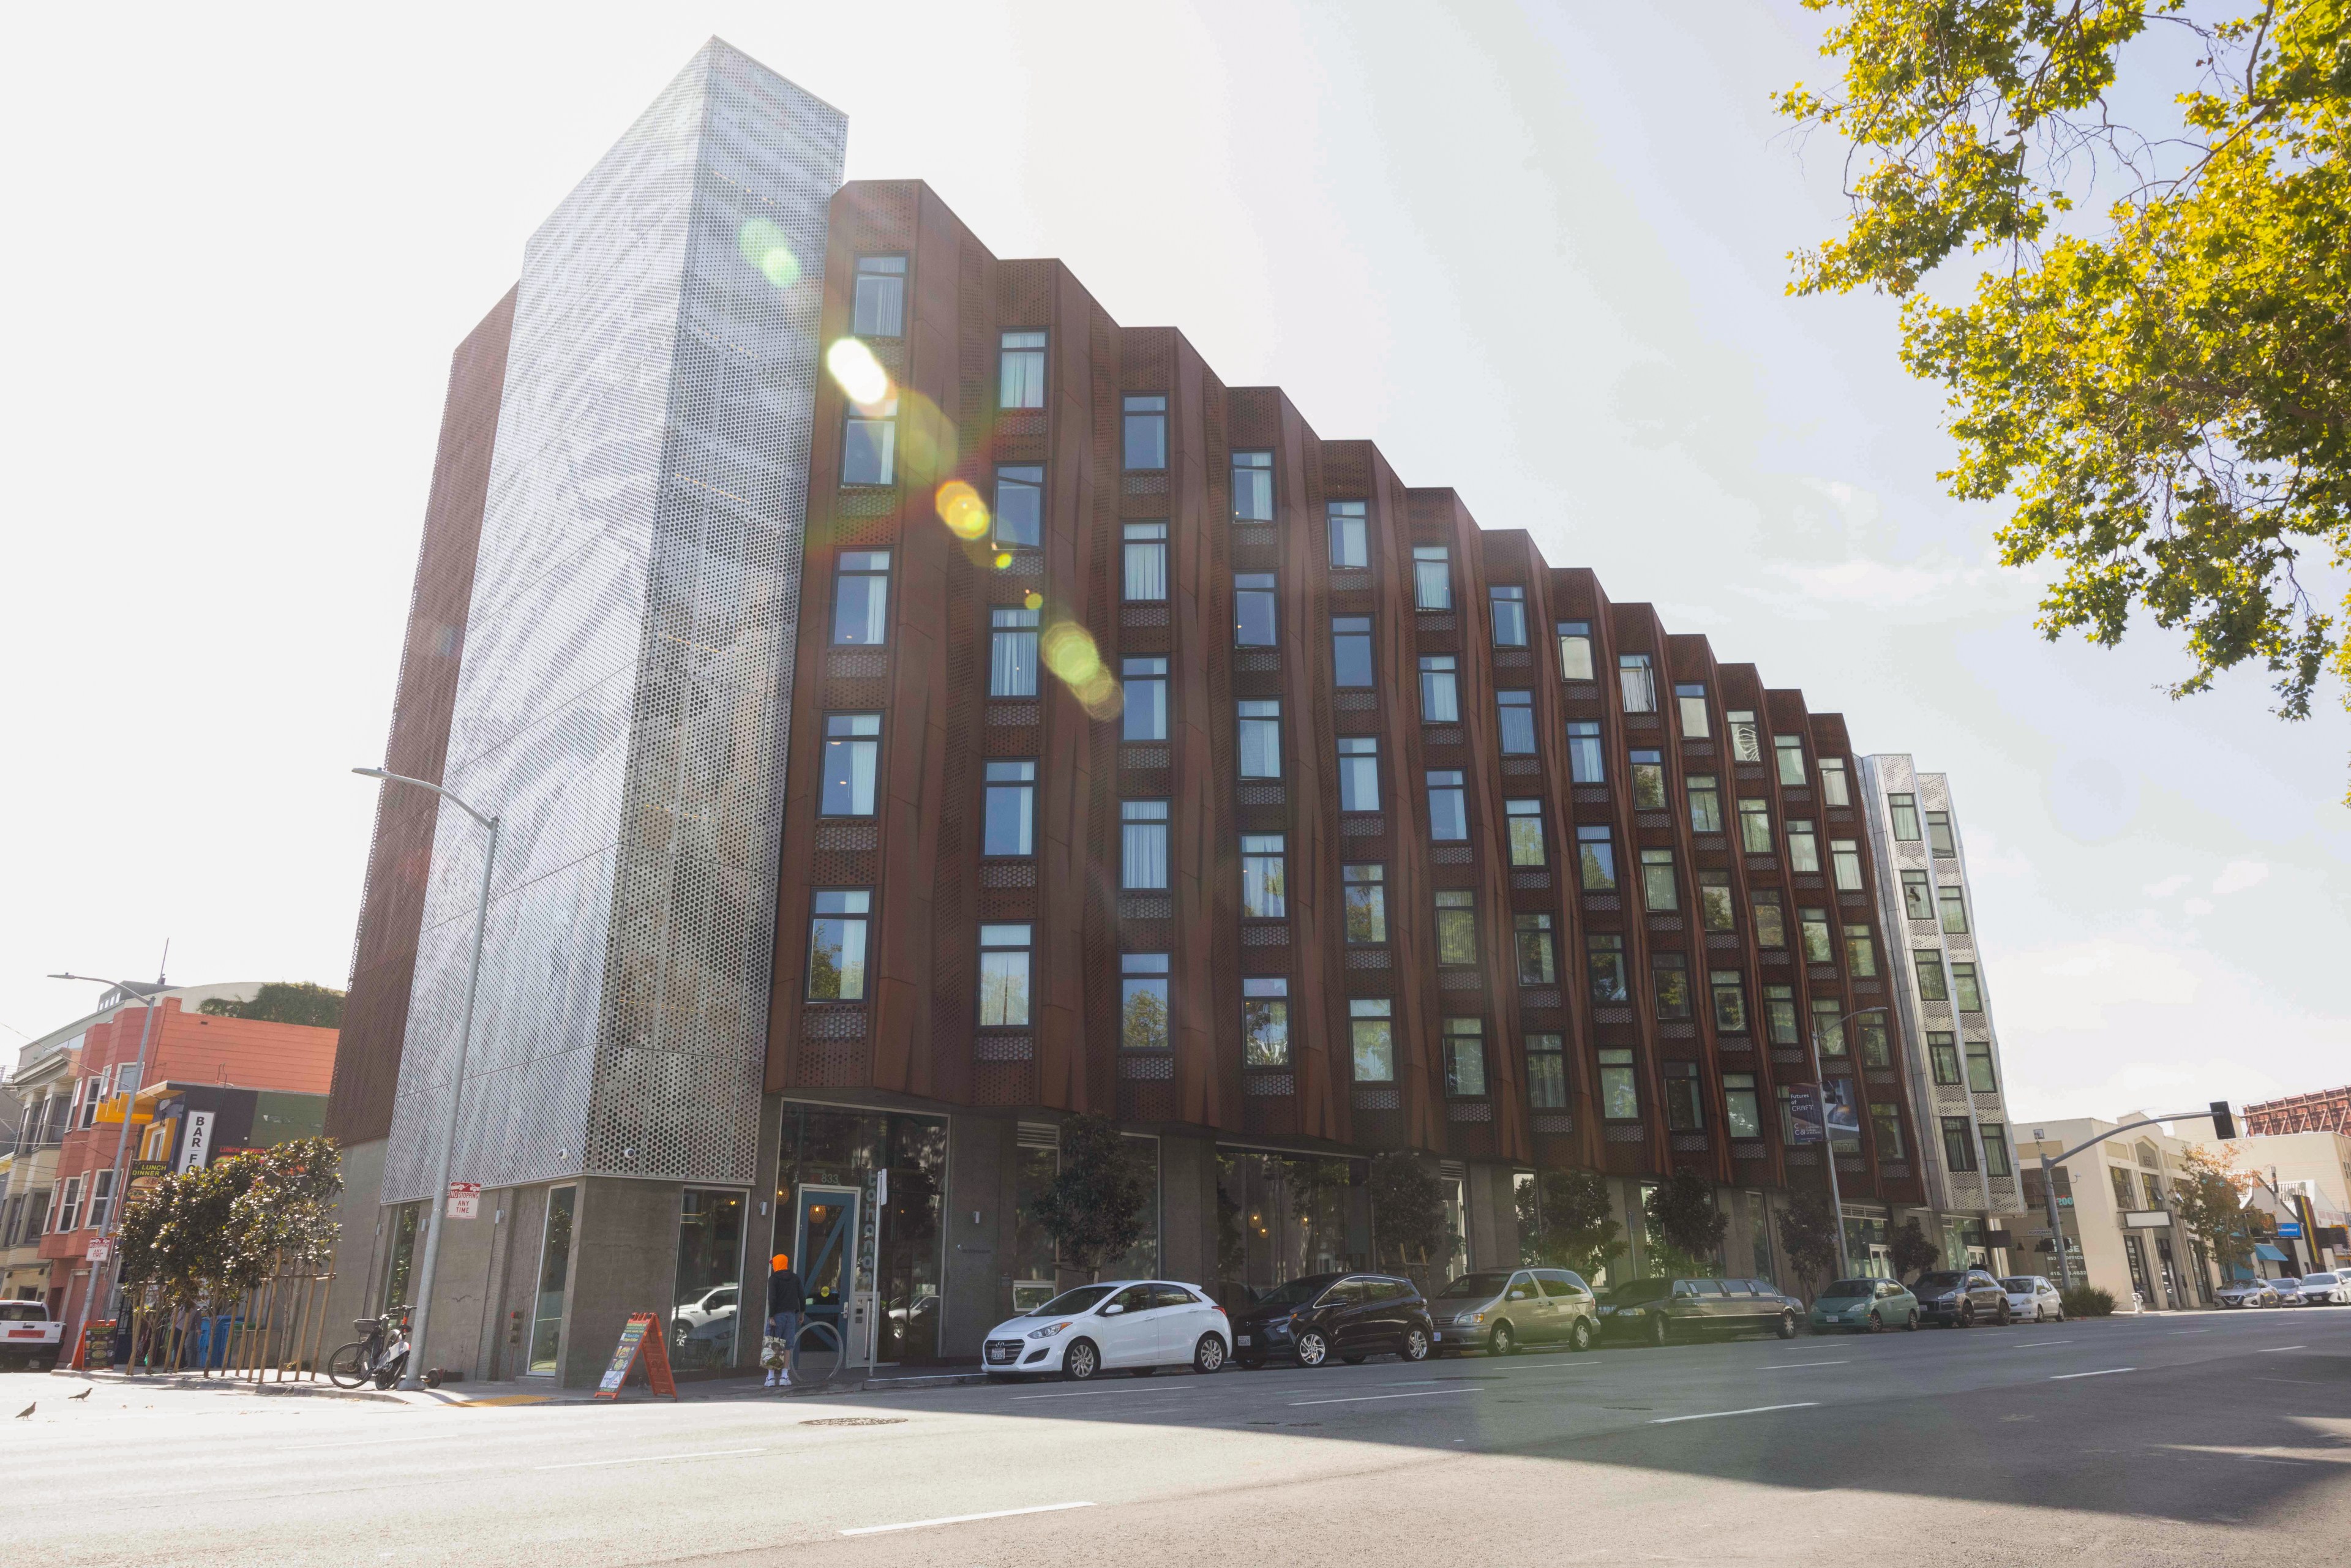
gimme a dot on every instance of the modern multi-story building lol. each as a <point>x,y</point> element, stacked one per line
<point>1007,720</point>
<point>2327,1110</point>
<point>1943,996</point>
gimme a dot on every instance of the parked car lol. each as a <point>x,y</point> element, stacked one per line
<point>2032,1299</point>
<point>1347,1316</point>
<point>2247,1293</point>
<point>1499,1311</point>
<point>1661,1311</point>
<point>1961,1298</point>
<point>1117,1325</point>
<point>28,1336</point>
<point>2324,1289</point>
<point>1865,1306</point>
<point>2288,1288</point>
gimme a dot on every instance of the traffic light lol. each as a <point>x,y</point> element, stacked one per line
<point>2224,1125</point>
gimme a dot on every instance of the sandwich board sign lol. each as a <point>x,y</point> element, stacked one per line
<point>640,1340</point>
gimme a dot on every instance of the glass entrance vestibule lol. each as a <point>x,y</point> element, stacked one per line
<point>1282,1217</point>
<point>828,1223</point>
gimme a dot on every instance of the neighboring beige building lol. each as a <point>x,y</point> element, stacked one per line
<point>2110,1201</point>
<point>2317,1164</point>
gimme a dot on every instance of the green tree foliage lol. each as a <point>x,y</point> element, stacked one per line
<point>1566,1221</point>
<point>1808,1239</point>
<point>1409,1229</point>
<point>1910,1250</point>
<point>2165,390</point>
<point>282,1001</point>
<point>2210,1198</point>
<point>212,1233</point>
<point>1095,1207</point>
<point>1684,1228</point>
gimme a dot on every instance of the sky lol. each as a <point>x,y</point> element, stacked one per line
<point>1536,252</point>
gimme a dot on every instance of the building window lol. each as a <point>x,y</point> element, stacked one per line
<point>1020,370</point>
<point>1620,1098</point>
<point>1546,1072</point>
<point>1359,773</point>
<point>1928,963</point>
<point>1804,847</point>
<point>1870,1029</point>
<point>1979,1076</point>
<point>1253,613</point>
<point>1715,910</point>
<point>1670,972</point>
<point>1755,827</point>
<point>1537,965</point>
<point>1844,861</point>
<point>1456,926</point>
<point>1465,1058</point>
<point>1917,896</point>
<point>1351,651</point>
<point>1525,822</point>
<point>1146,432</point>
<point>2123,1196</point>
<point>1904,810</point>
<point>1596,857</point>
<point>1742,1112</point>
<point>1705,804</point>
<point>1440,699</point>
<point>1746,736</point>
<point>1770,922</point>
<point>1145,716</point>
<point>1011,809</point>
<point>1146,563</point>
<point>1449,806</point>
<point>1828,1027</point>
<point>1364,889</point>
<point>837,944</point>
<point>1780,1015</point>
<point>1143,1001</point>
<point>1860,952</point>
<point>1637,682</point>
<point>1814,927</point>
<point>1020,506</point>
<point>1372,1036</point>
<point>1253,486</point>
<point>1967,991</point>
<point>1265,1022</point>
<point>1509,609</point>
<point>1690,697</point>
<point>1729,1001</point>
<point>1648,781</point>
<point>1260,738</point>
<point>69,1205</point>
<point>1004,976</point>
<point>861,598</point>
<point>1142,845</point>
<point>1516,713</point>
<point>1791,751</point>
<point>879,309</point>
<point>852,748</point>
<point>1263,892</point>
<point>1684,1113</point>
<point>1997,1162</point>
<point>1887,1122</point>
<point>1954,903</point>
<point>1943,1057</point>
<point>1604,961</point>
<point>1833,788</point>
<point>1012,652</point>
<point>1351,544</point>
<point>102,1198</point>
<point>1958,1146</point>
<point>1583,758</point>
<point>1658,894</point>
<point>1432,578</point>
<point>1939,836</point>
<point>869,446</point>
<point>1575,651</point>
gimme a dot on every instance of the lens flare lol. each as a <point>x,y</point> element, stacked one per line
<point>1032,599</point>
<point>1003,559</point>
<point>962,510</point>
<point>861,375</point>
<point>764,246</point>
<point>1069,653</point>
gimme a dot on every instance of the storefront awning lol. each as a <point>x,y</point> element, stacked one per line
<point>2263,1250</point>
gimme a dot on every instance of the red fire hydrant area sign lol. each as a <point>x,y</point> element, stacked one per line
<point>641,1340</point>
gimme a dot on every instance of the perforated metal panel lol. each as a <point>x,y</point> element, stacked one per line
<point>627,656</point>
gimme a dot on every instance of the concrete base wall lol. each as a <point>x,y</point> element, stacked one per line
<point>359,1243</point>
<point>1187,1208</point>
<point>624,1261</point>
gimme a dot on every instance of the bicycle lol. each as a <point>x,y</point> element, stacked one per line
<point>381,1357</point>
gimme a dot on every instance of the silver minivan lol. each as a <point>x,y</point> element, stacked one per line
<point>1499,1310</point>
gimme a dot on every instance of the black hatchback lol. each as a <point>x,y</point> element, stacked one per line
<point>1322,1316</point>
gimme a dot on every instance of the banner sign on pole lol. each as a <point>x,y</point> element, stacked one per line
<point>1841,1112</point>
<point>1805,1114</point>
<point>465,1200</point>
<point>641,1340</point>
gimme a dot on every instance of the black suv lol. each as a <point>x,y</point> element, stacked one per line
<point>1662,1312</point>
<point>1961,1298</point>
<point>1349,1316</point>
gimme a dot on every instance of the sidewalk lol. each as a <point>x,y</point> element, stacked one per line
<point>498,1394</point>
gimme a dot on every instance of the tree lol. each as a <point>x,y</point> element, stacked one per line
<point>1566,1221</point>
<point>282,1001</point>
<point>2210,1196</point>
<point>1910,1250</point>
<point>1408,1212</point>
<point>2168,394</point>
<point>1684,1224</point>
<point>1808,1238</point>
<point>209,1234</point>
<point>1094,1209</point>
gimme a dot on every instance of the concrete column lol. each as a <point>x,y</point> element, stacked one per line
<point>1187,1208</point>
<point>763,1236</point>
<point>624,1261</point>
<point>359,1243</point>
<point>1493,1217</point>
<point>977,1291</point>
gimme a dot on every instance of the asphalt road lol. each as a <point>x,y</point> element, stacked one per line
<point>2203,1439</point>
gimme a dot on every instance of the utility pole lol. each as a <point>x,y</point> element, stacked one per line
<point>153,997</point>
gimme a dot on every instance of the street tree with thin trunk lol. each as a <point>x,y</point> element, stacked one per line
<point>1909,1251</point>
<point>1096,1208</point>
<point>1409,1229</point>
<point>1566,1220</point>
<point>2210,1198</point>
<point>1808,1239</point>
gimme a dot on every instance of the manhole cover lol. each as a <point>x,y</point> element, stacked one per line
<point>856,1421</point>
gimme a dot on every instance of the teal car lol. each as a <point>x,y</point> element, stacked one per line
<point>1865,1305</point>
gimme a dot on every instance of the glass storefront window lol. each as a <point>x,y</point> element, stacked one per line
<point>1280,1218</point>
<point>554,1272</point>
<point>825,1146</point>
<point>1866,1243</point>
<point>397,1272</point>
<point>703,1324</point>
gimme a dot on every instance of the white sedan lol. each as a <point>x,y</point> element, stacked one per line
<point>2327,1288</point>
<point>1118,1325</point>
<point>2032,1300</point>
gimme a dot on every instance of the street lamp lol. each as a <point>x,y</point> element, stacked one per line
<point>440,1195</point>
<point>115,1195</point>
<point>1836,1198</point>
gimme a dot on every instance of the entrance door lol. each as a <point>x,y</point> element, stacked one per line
<point>825,1255</point>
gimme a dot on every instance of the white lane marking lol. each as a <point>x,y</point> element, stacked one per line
<point>1751,1410</point>
<point>964,1518</point>
<point>2106,1372</point>
<point>1366,1399</point>
<point>2177,1332</point>
<point>1792,1366</point>
<point>651,1458</point>
<point>2275,1348</point>
<point>2039,1344</point>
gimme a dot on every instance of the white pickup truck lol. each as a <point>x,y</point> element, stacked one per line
<point>28,1336</point>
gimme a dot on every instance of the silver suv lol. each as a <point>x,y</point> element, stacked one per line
<point>1498,1310</point>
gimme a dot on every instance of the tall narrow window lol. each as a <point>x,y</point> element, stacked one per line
<point>1958,1144</point>
<point>1260,738</point>
<point>1928,963</point>
<point>1967,991</point>
<point>1145,433</point>
<point>1604,962</point>
<point>1954,906</point>
<point>1716,909</point>
<point>1670,971</point>
<point>1371,1034</point>
<point>852,748</point>
<point>1620,1100</point>
<point>861,598</point>
<point>1917,896</point>
<point>869,446</point>
<point>1690,698</point>
<point>1012,652</point>
<point>1146,563</point>
<point>1583,758</point>
<point>1828,1027</point>
<point>1729,1000</point>
<point>1813,924</point>
<point>1449,806</point>
<point>1575,650</point>
<point>1516,713</point>
<point>1684,1110</point>
<point>1440,692</point>
<point>879,309</point>
<point>1142,845</point>
<point>1981,1079</point>
<point>1359,773</point>
<point>1886,1122</point>
<point>1351,651</point>
<point>1746,738</point>
<point>1804,847</point>
<point>69,1205</point>
<point>1253,613</point>
<point>1755,827</point>
<point>1904,810</point>
<point>1995,1150</point>
<point>1509,611</point>
<point>1789,748</point>
<point>1596,857</point>
<point>1265,1022</point>
<point>1456,926</point>
<point>1835,789</point>
<point>1546,1072</point>
<point>1465,1058</point>
<point>1659,894</point>
<point>1705,804</point>
<point>1364,888</point>
<point>1648,781</point>
<point>1253,486</point>
<point>1351,543</point>
<point>1770,922</point>
<point>1742,1112</point>
<point>1142,1002</point>
<point>1020,507</point>
<point>1004,976</point>
<point>1011,809</point>
<point>1943,1057</point>
<point>1432,578</point>
<point>1145,716</point>
<point>1020,370</point>
<point>1538,961</point>
<point>1860,952</point>
<point>1780,1015</point>
<point>1524,819</point>
<point>1264,894</point>
<point>1869,1028</point>
<point>1939,836</point>
<point>1637,682</point>
<point>1844,861</point>
<point>836,970</point>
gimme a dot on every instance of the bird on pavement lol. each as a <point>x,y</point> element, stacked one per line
<point>27,1410</point>
<point>83,1394</point>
